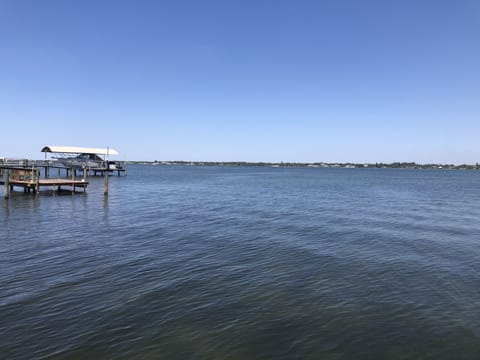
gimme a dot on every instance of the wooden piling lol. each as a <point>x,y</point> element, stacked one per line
<point>105,183</point>
<point>36,174</point>
<point>85,175</point>
<point>6,178</point>
<point>73,179</point>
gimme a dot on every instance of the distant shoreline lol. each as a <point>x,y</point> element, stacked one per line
<point>395,165</point>
<point>349,165</point>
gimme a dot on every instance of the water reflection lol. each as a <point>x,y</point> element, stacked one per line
<point>5,208</point>
<point>105,209</point>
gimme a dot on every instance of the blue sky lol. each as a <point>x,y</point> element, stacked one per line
<point>277,80</point>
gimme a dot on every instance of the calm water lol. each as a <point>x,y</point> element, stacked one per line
<point>245,263</point>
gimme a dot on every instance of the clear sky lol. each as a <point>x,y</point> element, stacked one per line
<point>249,80</point>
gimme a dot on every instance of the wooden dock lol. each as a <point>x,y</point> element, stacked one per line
<point>29,180</point>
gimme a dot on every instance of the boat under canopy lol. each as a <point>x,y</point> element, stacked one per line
<point>85,158</point>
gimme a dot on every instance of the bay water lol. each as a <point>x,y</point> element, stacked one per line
<point>192,262</point>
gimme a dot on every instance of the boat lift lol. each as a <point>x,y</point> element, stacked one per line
<point>87,159</point>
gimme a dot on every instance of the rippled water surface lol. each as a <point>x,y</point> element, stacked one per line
<point>245,263</point>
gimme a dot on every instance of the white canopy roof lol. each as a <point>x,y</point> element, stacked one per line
<point>79,150</point>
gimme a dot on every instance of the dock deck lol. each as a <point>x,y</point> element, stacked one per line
<point>58,183</point>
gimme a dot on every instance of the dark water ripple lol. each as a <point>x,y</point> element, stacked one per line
<point>245,263</point>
